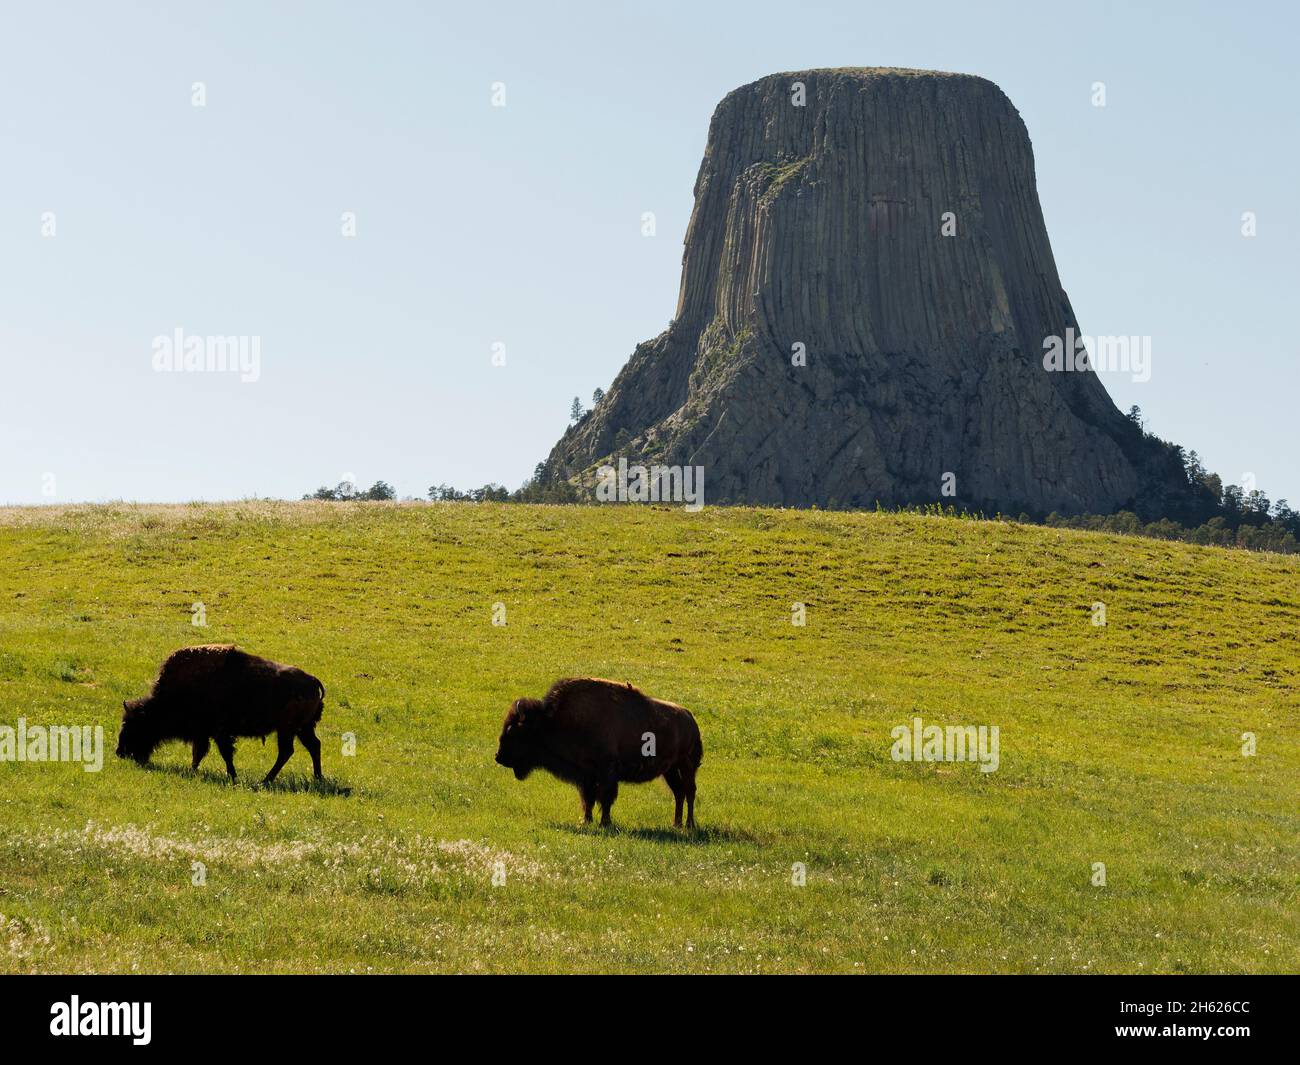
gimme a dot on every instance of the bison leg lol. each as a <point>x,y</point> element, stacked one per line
<point>606,793</point>
<point>200,751</point>
<point>226,745</point>
<point>285,740</point>
<point>674,779</point>
<point>312,743</point>
<point>587,790</point>
<point>688,780</point>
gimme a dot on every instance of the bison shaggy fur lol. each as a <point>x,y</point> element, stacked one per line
<point>219,693</point>
<point>597,733</point>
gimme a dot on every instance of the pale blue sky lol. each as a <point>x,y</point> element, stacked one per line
<point>522,224</point>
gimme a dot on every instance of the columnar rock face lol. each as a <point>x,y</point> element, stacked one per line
<point>866,290</point>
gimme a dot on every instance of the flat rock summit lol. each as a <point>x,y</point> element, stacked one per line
<point>867,286</point>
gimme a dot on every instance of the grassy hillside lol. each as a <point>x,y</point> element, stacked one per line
<point>1119,744</point>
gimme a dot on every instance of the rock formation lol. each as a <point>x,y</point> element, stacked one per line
<point>866,289</point>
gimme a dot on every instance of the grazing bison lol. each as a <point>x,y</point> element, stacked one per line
<point>219,693</point>
<point>595,733</point>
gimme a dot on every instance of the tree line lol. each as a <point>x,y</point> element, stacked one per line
<point>1207,513</point>
<point>540,488</point>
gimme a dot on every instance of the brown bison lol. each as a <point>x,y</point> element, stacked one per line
<point>219,693</point>
<point>594,733</point>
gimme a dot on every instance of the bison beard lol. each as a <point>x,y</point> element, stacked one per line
<point>597,733</point>
<point>218,693</point>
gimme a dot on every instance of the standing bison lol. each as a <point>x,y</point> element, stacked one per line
<point>594,733</point>
<point>219,693</point>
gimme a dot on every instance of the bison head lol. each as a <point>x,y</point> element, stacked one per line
<point>139,734</point>
<point>518,746</point>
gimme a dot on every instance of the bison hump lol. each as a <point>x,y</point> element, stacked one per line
<point>191,662</point>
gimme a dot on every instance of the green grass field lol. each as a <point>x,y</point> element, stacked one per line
<point>1120,744</point>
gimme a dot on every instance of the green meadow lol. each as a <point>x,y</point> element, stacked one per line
<point>1120,745</point>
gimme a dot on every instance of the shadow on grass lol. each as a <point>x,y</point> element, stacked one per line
<point>324,786</point>
<point>697,837</point>
<point>288,784</point>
